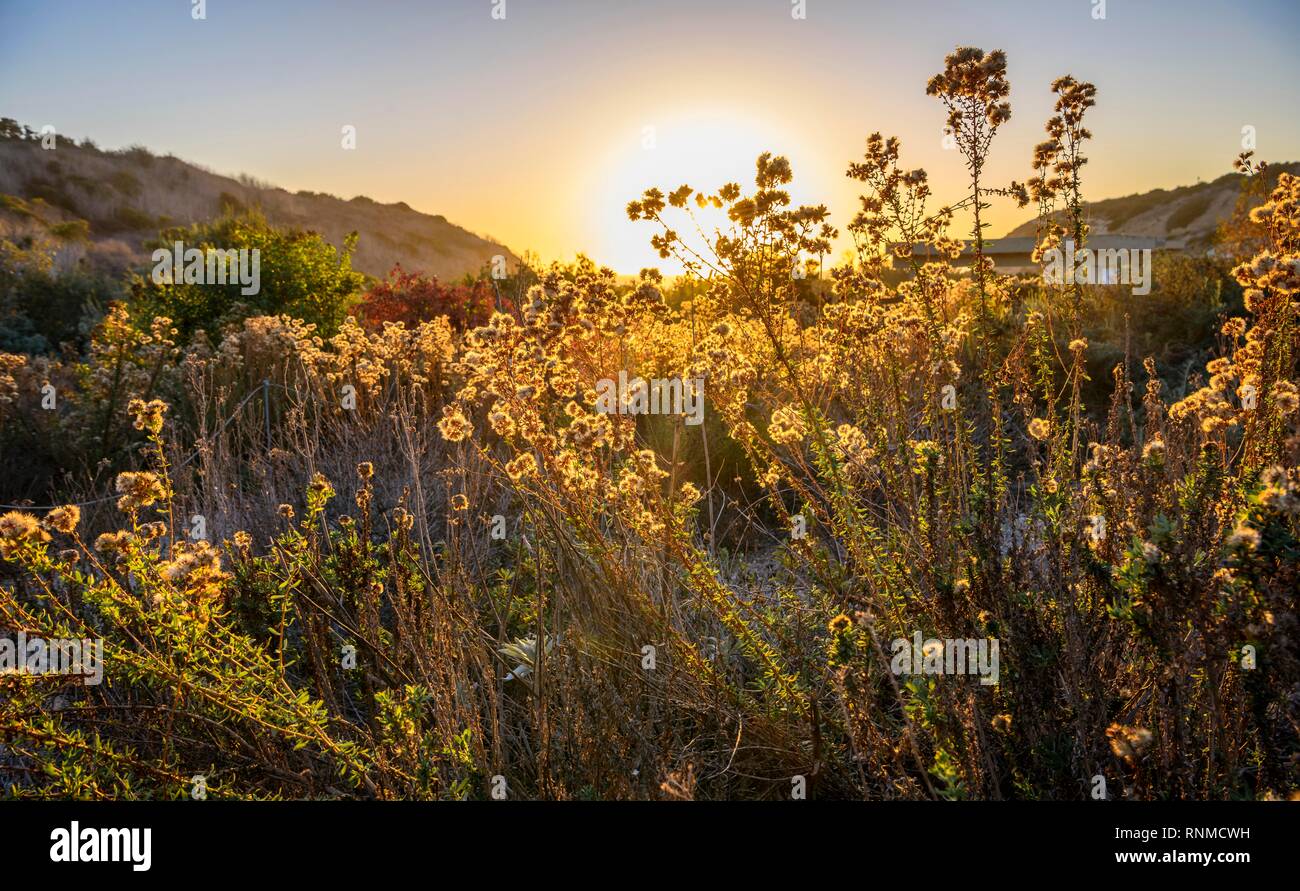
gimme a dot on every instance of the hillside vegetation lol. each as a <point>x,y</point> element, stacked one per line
<point>1188,214</point>
<point>126,197</point>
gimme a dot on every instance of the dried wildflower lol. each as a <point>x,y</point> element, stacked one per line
<point>840,624</point>
<point>454,426</point>
<point>1154,451</point>
<point>1001,723</point>
<point>503,424</point>
<point>1079,345</point>
<point>18,529</point>
<point>1212,425</point>
<point>1281,491</point>
<point>1234,327</point>
<point>138,490</point>
<point>1128,743</point>
<point>1040,428</point>
<point>630,484</point>
<point>787,426</point>
<point>459,503</point>
<point>320,488</point>
<point>521,467</point>
<point>589,431</point>
<point>1285,396</point>
<point>1221,382</point>
<point>1098,457</point>
<point>113,543</point>
<point>64,519</point>
<point>197,567</point>
<point>851,447</point>
<point>153,531</point>
<point>973,84</point>
<point>366,470</point>
<point>148,415</point>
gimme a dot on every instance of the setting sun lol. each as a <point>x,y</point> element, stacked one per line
<point>704,149</point>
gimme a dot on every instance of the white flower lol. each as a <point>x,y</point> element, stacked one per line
<point>524,651</point>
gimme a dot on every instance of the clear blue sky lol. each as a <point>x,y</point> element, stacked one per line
<point>533,129</point>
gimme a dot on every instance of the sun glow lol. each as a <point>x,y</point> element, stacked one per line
<point>704,149</point>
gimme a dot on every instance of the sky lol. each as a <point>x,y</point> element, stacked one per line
<point>537,128</point>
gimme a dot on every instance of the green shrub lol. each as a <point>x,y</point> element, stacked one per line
<point>301,275</point>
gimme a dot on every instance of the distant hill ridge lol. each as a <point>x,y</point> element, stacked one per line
<point>127,196</point>
<point>1189,214</point>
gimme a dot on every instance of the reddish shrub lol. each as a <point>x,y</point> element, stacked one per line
<point>412,297</point>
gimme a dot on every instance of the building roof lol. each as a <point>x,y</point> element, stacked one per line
<point>1025,244</point>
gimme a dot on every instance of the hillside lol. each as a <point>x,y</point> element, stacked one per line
<point>127,196</point>
<point>1188,213</point>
